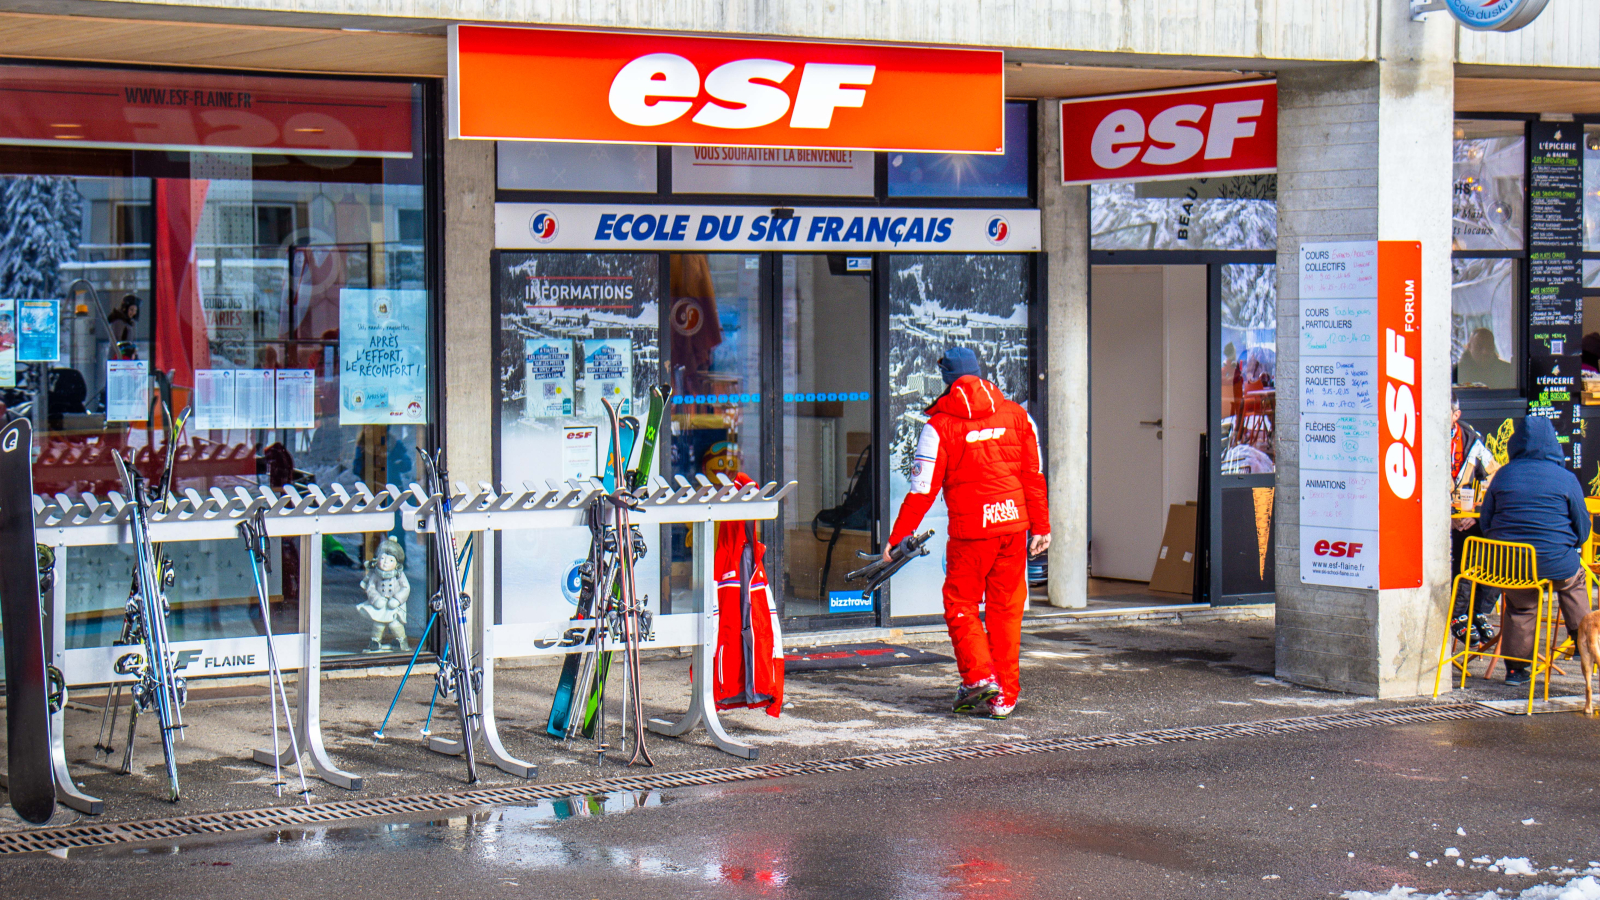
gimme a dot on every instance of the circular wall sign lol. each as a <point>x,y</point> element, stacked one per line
<point>1495,15</point>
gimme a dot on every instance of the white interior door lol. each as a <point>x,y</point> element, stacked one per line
<point>1127,466</point>
<point>1184,408</point>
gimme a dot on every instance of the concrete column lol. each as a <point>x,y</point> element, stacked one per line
<point>469,383</point>
<point>1364,153</point>
<point>1064,218</point>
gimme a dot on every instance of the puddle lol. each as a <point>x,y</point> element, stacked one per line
<point>484,828</point>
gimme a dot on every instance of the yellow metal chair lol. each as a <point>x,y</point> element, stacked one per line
<point>1508,566</point>
<point>1591,576</point>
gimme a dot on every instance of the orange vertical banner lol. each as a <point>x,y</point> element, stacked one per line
<point>1400,413</point>
<point>182,343</point>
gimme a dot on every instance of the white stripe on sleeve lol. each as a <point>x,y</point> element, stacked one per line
<point>922,463</point>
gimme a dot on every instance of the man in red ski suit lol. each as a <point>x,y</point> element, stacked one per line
<point>982,450</point>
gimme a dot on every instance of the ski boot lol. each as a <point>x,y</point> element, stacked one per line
<point>972,698</point>
<point>999,709</point>
<point>1486,634</point>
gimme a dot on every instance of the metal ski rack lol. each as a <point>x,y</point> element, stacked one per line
<point>700,503</point>
<point>65,521</point>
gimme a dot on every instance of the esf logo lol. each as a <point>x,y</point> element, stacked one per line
<point>984,434</point>
<point>998,230</point>
<point>572,582</point>
<point>1337,549</point>
<point>11,440</point>
<point>658,88</point>
<point>543,226</point>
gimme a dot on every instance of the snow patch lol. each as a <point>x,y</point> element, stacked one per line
<point>1518,865</point>
<point>1586,888</point>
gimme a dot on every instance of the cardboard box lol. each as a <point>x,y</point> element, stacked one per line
<point>1174,572</point>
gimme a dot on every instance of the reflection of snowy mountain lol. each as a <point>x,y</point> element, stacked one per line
<point>937,302</point>
<point>1121,219</point>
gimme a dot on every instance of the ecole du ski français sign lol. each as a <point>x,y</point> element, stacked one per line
<point>1361,414</point>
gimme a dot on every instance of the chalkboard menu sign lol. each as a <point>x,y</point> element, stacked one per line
<point>1555,306</point>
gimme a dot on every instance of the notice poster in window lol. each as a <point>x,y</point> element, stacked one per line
<point>383,363</point>
<point>548,380</point>
<point>253,403</point>
<point>608,373</point>
<point>38,331</point>
<point>8,343</point>
<point>296,391</point>
<point>127,390</point>
<point>580,454</point>
<point>213,399</point>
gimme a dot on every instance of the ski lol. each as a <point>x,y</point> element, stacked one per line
<point>660,400</point>
<point>156,686</point>
<point>458,677</point>
<point>578,667</point>
<point>878,572</point>
<point>30,773</point>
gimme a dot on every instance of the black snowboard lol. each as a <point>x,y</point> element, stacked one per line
<point>31,781</point>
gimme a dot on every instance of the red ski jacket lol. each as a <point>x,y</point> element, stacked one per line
<point>983,451</point>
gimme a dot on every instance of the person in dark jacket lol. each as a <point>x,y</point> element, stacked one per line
<point>1535,499</point>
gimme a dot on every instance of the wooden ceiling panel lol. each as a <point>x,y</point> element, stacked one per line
<point>1527,95</point>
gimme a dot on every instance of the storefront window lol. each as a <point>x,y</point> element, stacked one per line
<point>251,249</point>
<point>573,328</point>
<point>970,175</point>
<point>936,302</point>
<point>1230,213</point>
<point>1483,345</point>
<point>539,166</point>
<point>1591,203</point>
<point>1490,185</point>
<point>1248,403</point>
<point>716,357</point>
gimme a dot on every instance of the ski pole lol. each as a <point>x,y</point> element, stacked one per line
<point>466,552</point>
<point>407,676</point>
<point>434,699</point>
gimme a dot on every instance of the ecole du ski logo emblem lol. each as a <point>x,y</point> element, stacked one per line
<point>1004,511</point>
<point>543,226</point>
<point>997,230</point>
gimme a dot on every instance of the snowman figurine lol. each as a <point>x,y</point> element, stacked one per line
<point>387,590</point>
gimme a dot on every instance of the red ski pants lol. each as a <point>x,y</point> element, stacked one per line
<point>992,571</point>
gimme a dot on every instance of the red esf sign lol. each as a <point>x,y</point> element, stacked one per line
<point>1188,133</point>
<point>545,84</point>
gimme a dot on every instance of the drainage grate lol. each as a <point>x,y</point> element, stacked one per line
<point>91,835</point>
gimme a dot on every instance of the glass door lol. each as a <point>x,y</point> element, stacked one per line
<point>715,358</point>
<point>826,367</point>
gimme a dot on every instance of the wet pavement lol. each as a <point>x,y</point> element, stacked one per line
<point>1283,816</point>
<point>1077,681</point>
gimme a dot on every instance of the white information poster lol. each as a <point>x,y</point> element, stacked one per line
<point>8,342</point>
<point>548,378</point>
<point>608,373</point>
<point>296,392</point>
<point>254,405</point>
<point>1339,480</point>
<point>127,390</point>
<point>213,399</point>
<point>383,362</point>
<point>580,453</point>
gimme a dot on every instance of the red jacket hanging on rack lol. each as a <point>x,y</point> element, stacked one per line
<point>728,679</point>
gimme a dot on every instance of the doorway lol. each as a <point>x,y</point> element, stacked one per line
<point>1148,357</point>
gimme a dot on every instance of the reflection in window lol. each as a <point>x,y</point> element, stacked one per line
<point>968,174</point>
<point>716,379</point>
<point>936,302</point>
<point>1482,313</point>
<point>573,328</point>
<point>1490,183</point>
<point>238,281</point>
<point>1591,195</point>
<point>1234,213</point>
<point>1249,369</point>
